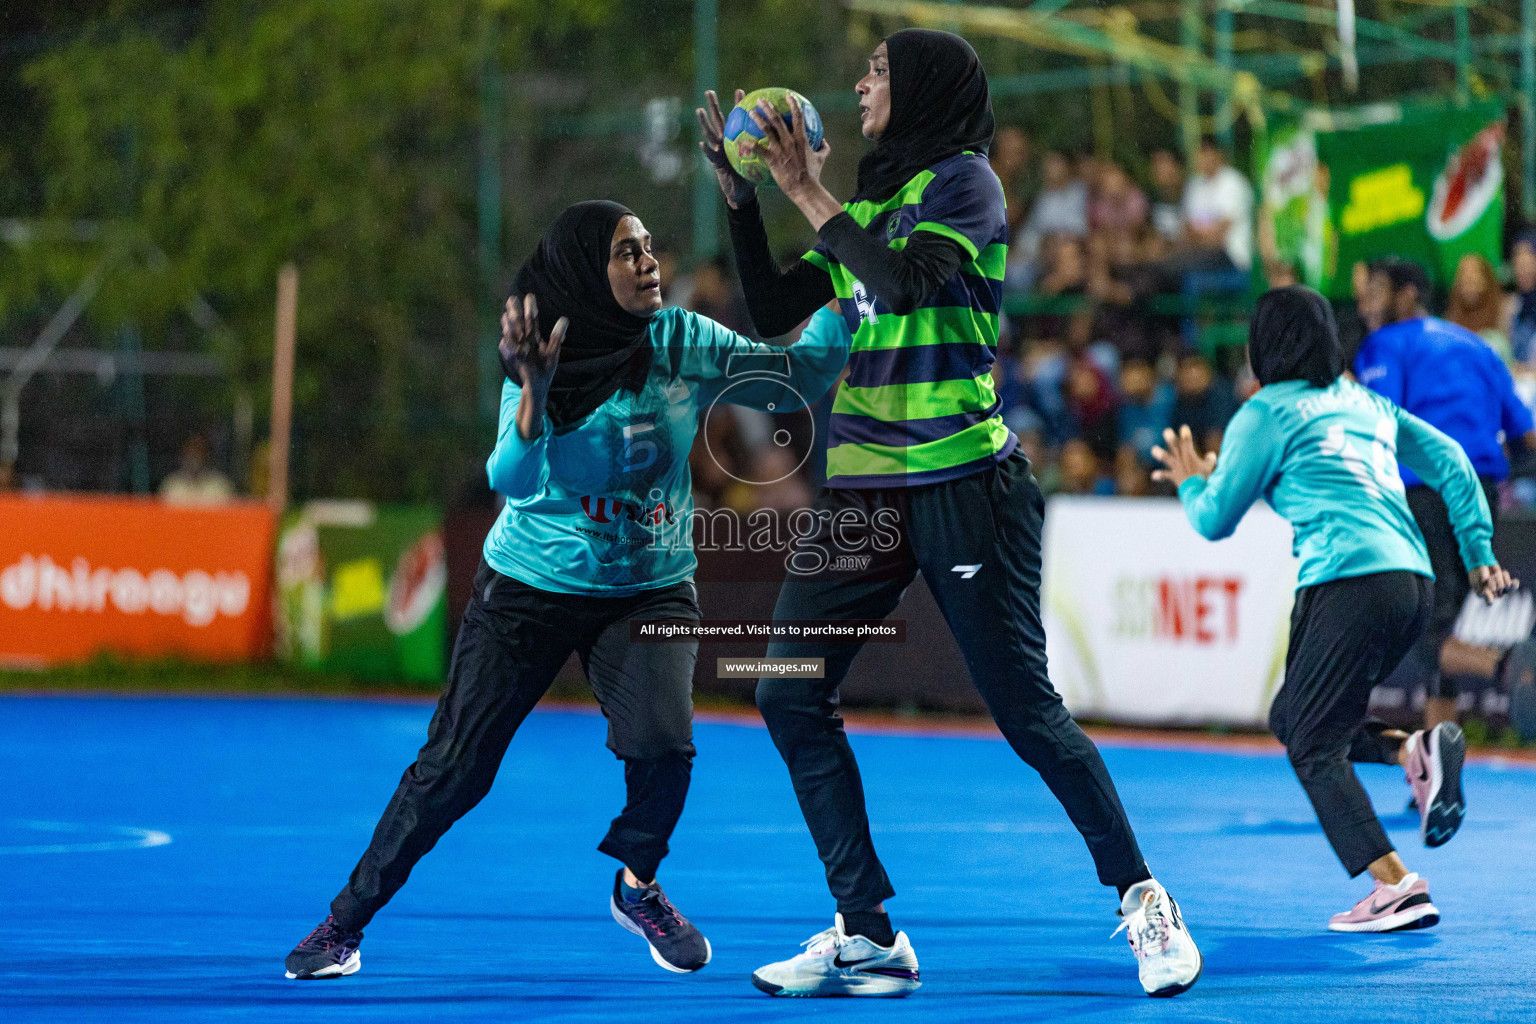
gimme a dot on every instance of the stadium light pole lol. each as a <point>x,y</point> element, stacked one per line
<point>488,202</point>
<point>1223,55</point>
<point>706,205</point>
<point>1189,96</point>
<point>1528,106</point>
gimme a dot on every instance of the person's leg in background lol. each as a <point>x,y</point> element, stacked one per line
<point>1438,657</point>
<point>645,691</point>
<point>1346,636</point>
<point>803,720</point>
<point>513,641</point>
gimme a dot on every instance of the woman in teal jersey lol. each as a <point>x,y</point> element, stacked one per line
<point>1323,452</point>
<point>916,262</point>
<point>603,396</point>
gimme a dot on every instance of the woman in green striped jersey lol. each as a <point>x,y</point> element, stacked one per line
<point>916,261</point>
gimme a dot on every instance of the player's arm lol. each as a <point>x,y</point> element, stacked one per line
<point>958,215</point>
<point>1216,492</point>
<point>519,465</point>
<point>774,378</point>
<point>1514,415</point>
<point>1442,464</point>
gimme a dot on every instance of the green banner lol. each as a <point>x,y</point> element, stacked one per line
<point>363,590</point>
<point>1422,182</point>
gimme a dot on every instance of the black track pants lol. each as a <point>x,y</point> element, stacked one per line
<point>1346,636</point>
<point>513,641</point>
<point>977,543</point>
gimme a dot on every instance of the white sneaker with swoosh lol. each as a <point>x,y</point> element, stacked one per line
<point>838,964</point>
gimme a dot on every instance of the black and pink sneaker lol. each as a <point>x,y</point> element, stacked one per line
<point>675,943</point>
<point>330,951</point>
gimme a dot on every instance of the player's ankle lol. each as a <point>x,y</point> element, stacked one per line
<point>874,925</point>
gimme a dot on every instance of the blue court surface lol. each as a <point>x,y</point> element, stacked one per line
<point>159,857</point>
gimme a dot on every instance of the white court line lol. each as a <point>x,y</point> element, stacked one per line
<point>132,838</point>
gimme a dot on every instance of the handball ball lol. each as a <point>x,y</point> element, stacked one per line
<point>741,129</point>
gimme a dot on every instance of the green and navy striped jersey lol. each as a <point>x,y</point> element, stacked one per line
<point>918,406</point>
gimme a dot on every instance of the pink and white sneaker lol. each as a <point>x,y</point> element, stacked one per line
<point>1434,765</point>
<point>1390,908</point>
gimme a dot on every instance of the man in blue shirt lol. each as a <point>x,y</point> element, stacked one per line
<point>1450,378</point>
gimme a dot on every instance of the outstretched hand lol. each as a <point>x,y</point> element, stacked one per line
<point>1180,460</point>
<point>1492,581</point>
<point>527,357</point>
<point>786,149</point>
<point>712,124</point>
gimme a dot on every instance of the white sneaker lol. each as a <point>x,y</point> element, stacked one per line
<point>1166,957</point>
<point>838,964</point>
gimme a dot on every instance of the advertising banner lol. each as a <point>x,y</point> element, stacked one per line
<point>1418,181</point>
<point>84,575</point>
<point>363,590</point>
<point>1148,622</point>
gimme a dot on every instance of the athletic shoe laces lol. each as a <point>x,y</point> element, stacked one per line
<point>824,942</point>
<point>330,934</point>
<point>1154,928</point>
<point>658,912</point>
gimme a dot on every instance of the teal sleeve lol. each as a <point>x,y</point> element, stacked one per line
<point>740,371</point>
<point>1440,462</point>
<point>1249,461</point>
<point>517,468</point>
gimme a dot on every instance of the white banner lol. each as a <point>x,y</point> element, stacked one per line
<point>1148,622</point>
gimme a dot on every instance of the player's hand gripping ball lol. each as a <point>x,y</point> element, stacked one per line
<point>744,141</point>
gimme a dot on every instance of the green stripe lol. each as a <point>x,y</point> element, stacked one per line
<point>919,400</point>
<point>818,259</point>
<point>992,262</point>
<point>948,232</point>
<point>970,444</point>
<point>911,192</point>
<point>931,325</point>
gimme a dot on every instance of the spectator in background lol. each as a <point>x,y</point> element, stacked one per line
<point>1217,214</point>
<point>1204,401</point>
<point>1061,208</point>
<point>1146,410</point>
<point>1081,472</point>
<point>1132,479</point>
<point>1093,403</point>
<point>195,482</point>
<point>1009,158</point>
<point>7,477</point>
<point>1520,309</point>
<point>1066,267</point>
<point>1167,195</point>
<point>1477,302</point>
<point>1116,206</point>
<point>715,295</point>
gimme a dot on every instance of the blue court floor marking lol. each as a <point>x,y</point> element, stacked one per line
<point>270,801</point>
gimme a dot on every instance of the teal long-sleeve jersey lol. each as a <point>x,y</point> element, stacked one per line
<point>605,507</point>
<point>1326,459</point>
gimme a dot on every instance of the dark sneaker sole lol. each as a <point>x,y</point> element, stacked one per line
<point>1449,806</point>
<point>630,926</point>
<point>1169,991</point>
<point>351,965</point>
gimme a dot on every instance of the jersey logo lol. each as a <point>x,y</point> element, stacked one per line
<point>967,571</point>
<point>865,303</point>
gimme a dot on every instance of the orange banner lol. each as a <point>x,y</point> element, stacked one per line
<point>83,575</point>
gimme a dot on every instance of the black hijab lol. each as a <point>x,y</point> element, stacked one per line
<point>1293,337</point>
<point>940,106</point>
<point>605,348</point>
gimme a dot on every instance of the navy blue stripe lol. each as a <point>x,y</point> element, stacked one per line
<point>954,360</point>
<point>932,476</point>
<point>851,428</point>
<point>966,291</point>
